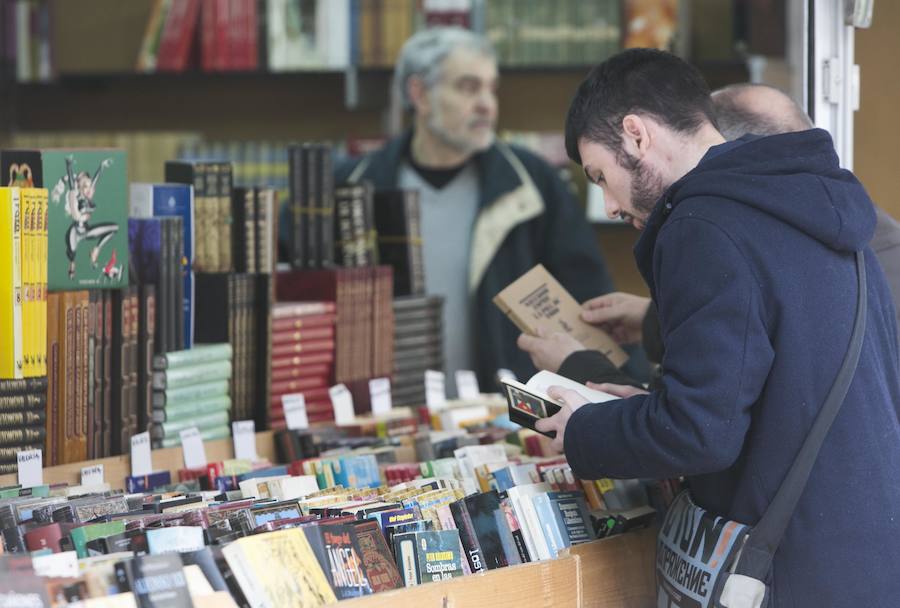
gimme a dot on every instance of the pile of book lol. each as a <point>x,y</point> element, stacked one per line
<point>418,346</point>
<point>191,389</point>
<point>364,330</point>
<point>311,205</point>
<point>354,225</point>
<point>398,224</point>
<point>23,418</point>
<point>303,340</point>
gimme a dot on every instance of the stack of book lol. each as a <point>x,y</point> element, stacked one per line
<point>161,239</point>
<point>191,389</point>
<point>354,225</point>
<point>397,222</point>
<point>418,346</point>
<point>212,211</point>
<point>311,205</point>
<point>23,416</point>
<point>364,334</point>
<point>303,341</point>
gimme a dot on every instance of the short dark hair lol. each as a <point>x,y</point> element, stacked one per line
<point>637,81</point>
<point>736,119</point>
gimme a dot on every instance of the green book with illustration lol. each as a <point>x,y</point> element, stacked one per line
<point>88,212</point>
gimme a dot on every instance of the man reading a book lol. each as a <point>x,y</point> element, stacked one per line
<point>489,211</point>
<point>748,249</point>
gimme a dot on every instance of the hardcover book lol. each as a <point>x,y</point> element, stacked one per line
<point>87,234</point>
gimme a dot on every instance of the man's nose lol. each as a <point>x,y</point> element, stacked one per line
<point>612,208</point>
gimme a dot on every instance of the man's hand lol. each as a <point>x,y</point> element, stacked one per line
<point>621,315</point>
<point>549,351</point>
<point>570,401</point>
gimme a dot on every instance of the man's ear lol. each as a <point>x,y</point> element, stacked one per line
<point>635,136</point>
<point>418,94</point>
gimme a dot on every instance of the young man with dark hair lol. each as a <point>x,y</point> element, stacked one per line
<point>748,248</point>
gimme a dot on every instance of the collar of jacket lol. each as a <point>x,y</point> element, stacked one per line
<point>507,195</point>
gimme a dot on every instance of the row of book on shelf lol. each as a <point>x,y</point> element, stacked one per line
<point>371,506</point>
<point>101,280</point>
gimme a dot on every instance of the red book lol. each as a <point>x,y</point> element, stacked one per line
<point>297,386</point>
<point>303,371</point>
<point>303,309</point>
<point>252,25</point>
<point>303,346</point>
<point>302,322</point>
<point>44,537</point>
<point>208,35</point>
<point>222,54</point>
<point>324,332</point>
<point>318,358</point>
<point>314,407</point>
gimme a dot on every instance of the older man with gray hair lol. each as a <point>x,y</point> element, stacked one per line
<point>489,211</point>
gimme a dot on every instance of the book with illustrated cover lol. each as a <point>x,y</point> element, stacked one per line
<point>87,213</point>
<point>279,569</point>
<point>424,557</point>
<point>337,548</point>
<point>536,299</point>
<point>529,402</point>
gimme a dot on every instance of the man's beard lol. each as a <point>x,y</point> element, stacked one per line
<point>456,141</point>
<point>646,185</point>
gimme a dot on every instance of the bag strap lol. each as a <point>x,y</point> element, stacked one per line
<point>759,550</point>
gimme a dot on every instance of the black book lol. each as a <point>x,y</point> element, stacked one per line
<point>265,298</point>
<point>226,227</point>
<point>486,517</point>
<point>146,331</point>
<point>313,174</point>
<point>157,581</point>
<point>400,239</point>
<point>176,242</point>
<point>207,562</point>
<point>195,174</point>
<point>243,213</point>
<point>95,388</point>
<point>345,197</point>
<point>298,205</point>
<point>467,536</point>
<point>148,242</point>
<point>118,416</point>
<point>325,208</point>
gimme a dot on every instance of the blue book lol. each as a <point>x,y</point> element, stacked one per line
<point>571,509</point>
<point>552,525</point>
<point>155,200</point>
<point>147,483</point>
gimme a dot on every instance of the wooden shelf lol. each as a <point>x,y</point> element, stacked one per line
<point>117,468</point>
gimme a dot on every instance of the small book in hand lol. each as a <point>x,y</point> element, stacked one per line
<point>529,402</point>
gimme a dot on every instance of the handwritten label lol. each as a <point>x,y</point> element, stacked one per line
<point>92,475</point>
<point>30,468</point>
<point>467,384</point>
<point>380,395</point>
<point>192,448</point>
<point>141,461</point>
<point>435,391</point>
<point>342,402</point>
<point>244,433</point>
<point>295,411</point>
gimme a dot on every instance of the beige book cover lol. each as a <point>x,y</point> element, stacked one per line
<point>536,299</point>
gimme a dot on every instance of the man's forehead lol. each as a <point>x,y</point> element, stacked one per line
<point>462,62</point>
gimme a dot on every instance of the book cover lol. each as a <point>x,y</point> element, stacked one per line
<point>337,549</point>
<point>157,581</point>
<point>279,569</point>
<point>424,557</point>
<point>12,363</point>
<point>536,299</point>
<point>377,558</point>
<point>88,191</point>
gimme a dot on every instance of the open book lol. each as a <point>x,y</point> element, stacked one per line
<point>530,402</point>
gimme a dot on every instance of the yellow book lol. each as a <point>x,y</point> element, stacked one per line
<point>278,570</point>
<point>43,214</point>
<point>11,357</point>
<point>25,259</point>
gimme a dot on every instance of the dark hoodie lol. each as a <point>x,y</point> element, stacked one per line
<point>749,259</point>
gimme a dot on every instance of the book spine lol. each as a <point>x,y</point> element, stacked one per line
<point>205,390</point>
<point>176,378</point>
<point>182,410</point>
<point>11,355</point>
<point>164,330</point>
<point>298,189</point>
<point>120,374</point>
<point>204,353</point>
<point>467,535</point>
<point>145,363</point>
<point>134,370</point>
<point>326,209</point>
<point>93,306</point>
<point>225,224</point>
<point>98,329</point>
<point>550,522</point>
<point>43,213</point>
<point>108,376</point>
<point>211,232</point>
<point>178,274</point>
<point>67,390</point>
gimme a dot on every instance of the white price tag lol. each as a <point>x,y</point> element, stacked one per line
<point>56,565</point>
<point>30,468</point>
<point>467,384</point>
<point>244,432</point>
<point>92,475</point>
<point>192,448</point>
<point>295,411</point>
<point>380,395</point>
<point>141,461</point>
<point>342,402</point>
<point>435,391</point>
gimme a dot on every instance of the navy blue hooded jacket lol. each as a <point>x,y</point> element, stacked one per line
<point>749,259</point>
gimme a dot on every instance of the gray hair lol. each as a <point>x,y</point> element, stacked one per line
<point>736,118</point>
<point>424,53</point>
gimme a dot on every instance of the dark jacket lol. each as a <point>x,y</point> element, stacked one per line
<point>526,216</point>
<point>749,259</point>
